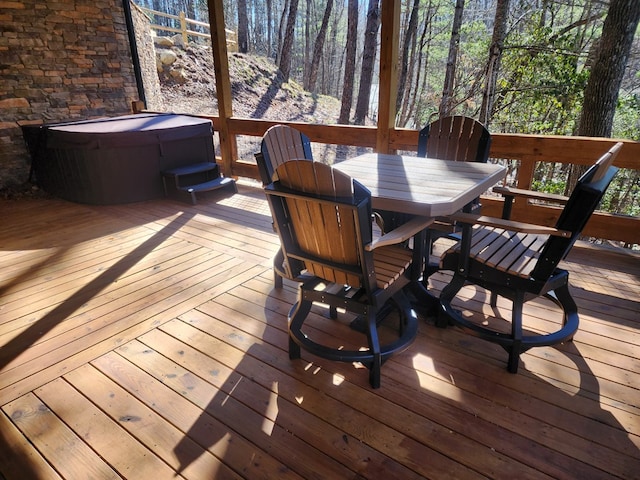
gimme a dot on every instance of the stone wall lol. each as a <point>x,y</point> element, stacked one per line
<point>59,60</point>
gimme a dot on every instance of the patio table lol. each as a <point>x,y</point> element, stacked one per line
<point>422,186</point>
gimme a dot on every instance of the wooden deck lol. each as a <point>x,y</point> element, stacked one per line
<point>146,341</point>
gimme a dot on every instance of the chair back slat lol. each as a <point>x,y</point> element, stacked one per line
<point>280,144</point>
<point>326,217</point>
<point>584,200</point>
<point>456,138</point>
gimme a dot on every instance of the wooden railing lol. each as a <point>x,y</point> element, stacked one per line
<point>185,30</point>
<point>528,150</point>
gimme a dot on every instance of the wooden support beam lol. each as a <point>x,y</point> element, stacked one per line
<point>388,91</point>
<point>228,146</point>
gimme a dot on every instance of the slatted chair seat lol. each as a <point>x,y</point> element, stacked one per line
<point>323,218</point>
<point>390,263</point>
<point>511,252</point>
<point>519,261</point>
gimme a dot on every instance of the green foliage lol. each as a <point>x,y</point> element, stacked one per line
<point>623,195</point>
<point>626,122</point>
<point>554,186</point>
<point>542,80</point>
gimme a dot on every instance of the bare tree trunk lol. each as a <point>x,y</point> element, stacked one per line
<point>368,59</point>
<point>419,64</point>
<point>269,28</point>
<point>307,44</point>
<point>283,19</point>
<point>287,43</point>
<point>409,40</point>
<point>605,78</point>
<point>603,87</point>
<point>450,72</point>
<point>333,62</point>
<point>350,63</point>
<point>187,8</point>
<point>243,27</point>
<point>495,56</point>
<point>317,49</point>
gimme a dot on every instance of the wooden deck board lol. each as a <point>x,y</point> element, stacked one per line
<point>147,341</point>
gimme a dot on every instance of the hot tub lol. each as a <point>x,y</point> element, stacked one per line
<point>117,160</point>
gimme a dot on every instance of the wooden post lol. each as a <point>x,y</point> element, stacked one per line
<point>228,147</point>
<point>137,106</point>
<point>526,171</point>
<point>183,29</point>
<point>388,91</point>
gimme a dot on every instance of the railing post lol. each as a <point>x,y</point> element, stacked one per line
<point>183,28</point>
<point>526,171</point>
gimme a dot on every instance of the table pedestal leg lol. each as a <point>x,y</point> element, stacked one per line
<point>423,302</point>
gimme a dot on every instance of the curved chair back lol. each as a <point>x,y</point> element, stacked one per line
<point>280,144</point>
<point>455,138</point>
<point>584,199</point>
<point>323,218</point>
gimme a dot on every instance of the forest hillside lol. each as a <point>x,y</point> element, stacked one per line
<point>187,85</point>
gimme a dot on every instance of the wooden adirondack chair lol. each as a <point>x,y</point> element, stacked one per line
<point>456,138</point>
<point>459,139</point>
<point>323,218</point>
<point>280,144</point>
<point>519,261</point>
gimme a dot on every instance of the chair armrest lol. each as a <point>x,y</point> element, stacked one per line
<point>510,194</point>
<point>402,233</point>
<point>518,192</point>
<point>508,224</point>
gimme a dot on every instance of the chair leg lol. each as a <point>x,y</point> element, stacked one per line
<point>569,307</point>
<point>374,346</point>
<point>277,280</point>
<point>294,349</point>
<point>514,359</point>
<point>278,262</point>
<point>515,348</point>
<point>297,317</point>
<point>447,294</point>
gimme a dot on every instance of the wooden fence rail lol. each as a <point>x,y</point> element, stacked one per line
<point>184,27</point>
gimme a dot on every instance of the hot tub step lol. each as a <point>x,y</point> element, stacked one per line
<point>197,177</point>
<point>191,169</point>
<point>189,175</point>
<point>214,184</point>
